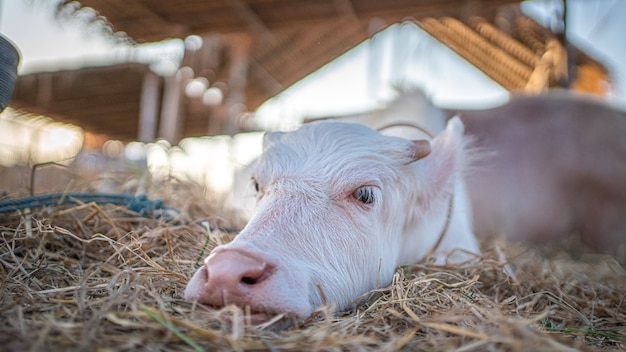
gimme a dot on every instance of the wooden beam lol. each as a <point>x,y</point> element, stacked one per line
<point>254,21</point>
<point>265,79</point>
<point>238,77</point>
<point>141,22</point>
<point>149,108</point>
<point>171,117</point>
<point>345,9</point>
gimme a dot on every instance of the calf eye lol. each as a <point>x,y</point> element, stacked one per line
<point>364,195</point>
<point>256,185</point>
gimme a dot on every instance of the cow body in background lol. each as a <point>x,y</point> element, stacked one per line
<point>551,166</point>
<point>340,206</point>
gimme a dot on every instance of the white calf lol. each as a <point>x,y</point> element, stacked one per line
<point>340,206</point>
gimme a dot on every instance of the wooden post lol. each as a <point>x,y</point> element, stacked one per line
<point>569,50</point>
<point>149,109</point>
<point>238,77</point>
<point>566,66</point>
<point>171,117</point>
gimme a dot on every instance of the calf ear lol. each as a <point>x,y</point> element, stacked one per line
<point>439,169</point>
<point>271,138</point>
<point>419,149</point>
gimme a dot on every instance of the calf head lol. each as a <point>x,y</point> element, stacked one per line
<point>339,207</point>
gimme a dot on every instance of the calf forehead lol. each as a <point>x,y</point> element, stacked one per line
<point>332,139</point>
<point>329,150</point>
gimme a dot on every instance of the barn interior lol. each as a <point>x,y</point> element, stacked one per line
<point>183,133</point>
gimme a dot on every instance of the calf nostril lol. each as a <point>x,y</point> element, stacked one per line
<point>256,275</point>
<point>248,280</point>
<point>235,271</point>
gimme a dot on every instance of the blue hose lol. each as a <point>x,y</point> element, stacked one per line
<point>139,204</point>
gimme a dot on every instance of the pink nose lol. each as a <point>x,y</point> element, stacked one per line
<point>233,277</point>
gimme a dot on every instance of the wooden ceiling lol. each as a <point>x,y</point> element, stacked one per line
<point>519,54</point>
<point>288,39</point>
<point>291,38</point>
<point>101,100</point>
<point>154,20</point>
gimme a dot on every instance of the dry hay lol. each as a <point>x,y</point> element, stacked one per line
<point>99,277</point>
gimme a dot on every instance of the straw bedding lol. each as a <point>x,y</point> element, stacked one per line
<point>100,277</point>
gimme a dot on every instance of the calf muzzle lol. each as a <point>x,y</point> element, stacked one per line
<point>230,277</point>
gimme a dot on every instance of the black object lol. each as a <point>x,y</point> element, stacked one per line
<point>9,59</point>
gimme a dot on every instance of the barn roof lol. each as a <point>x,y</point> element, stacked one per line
<point>517,52</point>
<point>291,38</point>
<point>270,43</point>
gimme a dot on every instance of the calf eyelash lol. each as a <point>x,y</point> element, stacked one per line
<point>364,195</point>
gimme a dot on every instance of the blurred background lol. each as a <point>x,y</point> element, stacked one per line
<point>185,89</point>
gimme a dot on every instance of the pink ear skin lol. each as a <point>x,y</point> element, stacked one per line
<point>419,149</point>
<point>447,156</point>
